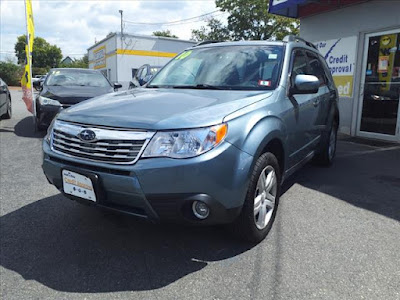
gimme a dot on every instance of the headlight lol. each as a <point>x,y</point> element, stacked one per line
<point>48,134</point>
<point>48,101</point>
<point>185,143</point>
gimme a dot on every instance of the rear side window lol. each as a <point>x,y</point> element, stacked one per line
<point>316,68</point>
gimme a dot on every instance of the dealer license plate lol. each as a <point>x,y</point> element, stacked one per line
<point>78,185</point>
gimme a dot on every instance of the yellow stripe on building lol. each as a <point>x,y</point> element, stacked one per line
<point>138,53</point>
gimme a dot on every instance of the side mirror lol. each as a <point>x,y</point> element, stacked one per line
<point>146,79</point>
<point>117,86</point>
<point>305,84</point>
<point>38,85</point>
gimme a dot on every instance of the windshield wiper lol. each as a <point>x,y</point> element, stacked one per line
<point>202,86</point>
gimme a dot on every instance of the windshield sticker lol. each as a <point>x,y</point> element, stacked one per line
<point>184,55</point>
<point>273,56</point>
<point>264,82</point>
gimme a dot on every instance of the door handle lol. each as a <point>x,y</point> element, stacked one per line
<point>316,102</point>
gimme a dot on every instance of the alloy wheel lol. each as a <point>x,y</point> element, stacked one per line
<point>264,198</point>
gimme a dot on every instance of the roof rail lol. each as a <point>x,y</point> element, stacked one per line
<point>295,38</point>
<point>206,42</point>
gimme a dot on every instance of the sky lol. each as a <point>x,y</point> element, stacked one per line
<point>75,25</point>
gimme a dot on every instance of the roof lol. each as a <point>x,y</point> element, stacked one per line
<point>241,43</point>
<point>76,69</point>
<point>66,58</point>
<point>151,37</point>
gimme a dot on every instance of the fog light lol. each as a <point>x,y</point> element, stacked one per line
<point>200,210</point>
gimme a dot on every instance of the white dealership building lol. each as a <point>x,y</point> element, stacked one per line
<point>119,56</point>
<point>360,40</point>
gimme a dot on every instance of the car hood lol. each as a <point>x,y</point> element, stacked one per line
<point>70,95</point>
<point>158,109</point>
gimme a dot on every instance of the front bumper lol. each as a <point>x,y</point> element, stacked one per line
<point>163,189</point>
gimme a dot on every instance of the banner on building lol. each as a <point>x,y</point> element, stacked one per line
<point>100,58</point>
<point>26,80</point>
<point>340,54</point>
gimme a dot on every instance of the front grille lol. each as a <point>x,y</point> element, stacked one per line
<point>118,146</point>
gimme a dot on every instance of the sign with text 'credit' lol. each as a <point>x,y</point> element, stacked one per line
<point>340,54</point>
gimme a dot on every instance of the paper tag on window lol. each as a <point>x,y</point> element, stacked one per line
<point>264,82</point>
<point>272,56</point>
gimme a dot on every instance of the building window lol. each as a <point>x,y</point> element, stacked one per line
<point>134,72</point>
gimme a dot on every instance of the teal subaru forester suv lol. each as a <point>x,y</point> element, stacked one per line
<point>209,140</point>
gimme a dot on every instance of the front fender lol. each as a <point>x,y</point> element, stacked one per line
<point>251,132</point>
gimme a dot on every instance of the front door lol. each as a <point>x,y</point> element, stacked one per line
<point>380,93</point>
<point>301,125</point>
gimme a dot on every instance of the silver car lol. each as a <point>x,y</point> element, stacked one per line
<point>209,140</point>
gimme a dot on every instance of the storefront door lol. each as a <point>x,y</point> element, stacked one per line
<point>379,115</point>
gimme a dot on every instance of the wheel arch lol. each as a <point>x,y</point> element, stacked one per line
<point>268,135</point>
<point>275,146</point>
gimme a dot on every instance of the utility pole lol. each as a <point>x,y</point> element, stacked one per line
<point>122,26</point>
<point>122,42</point>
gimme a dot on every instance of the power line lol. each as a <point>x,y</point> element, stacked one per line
<point>175,24</point>
<point>172,22</point>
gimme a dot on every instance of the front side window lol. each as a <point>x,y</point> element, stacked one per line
<point>299,63</point>
<point>235,67</point>
<point>316,68</point>
<point>76,78</point>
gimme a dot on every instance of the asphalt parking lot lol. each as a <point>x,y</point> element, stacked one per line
<point>336,236</point>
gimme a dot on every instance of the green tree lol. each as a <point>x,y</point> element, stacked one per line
<point>10,73</point>
<point>250,20</point>
<point>165,33</point>
<point>215,31</point>
<point>44,55</point>
<point>247,20</point>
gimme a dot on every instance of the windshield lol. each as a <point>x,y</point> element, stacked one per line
<point>235,67</point>
<point>76,78</point>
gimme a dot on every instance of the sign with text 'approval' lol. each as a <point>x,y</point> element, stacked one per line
<point>340,54</point>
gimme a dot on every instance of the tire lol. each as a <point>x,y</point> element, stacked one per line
<point>250,225</point>
<point>8,113</point>
<point>328,149</point>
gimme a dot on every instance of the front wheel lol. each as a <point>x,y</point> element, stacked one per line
<point>261,203</point>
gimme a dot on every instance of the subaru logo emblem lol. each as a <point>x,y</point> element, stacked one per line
<point>87,135</point>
